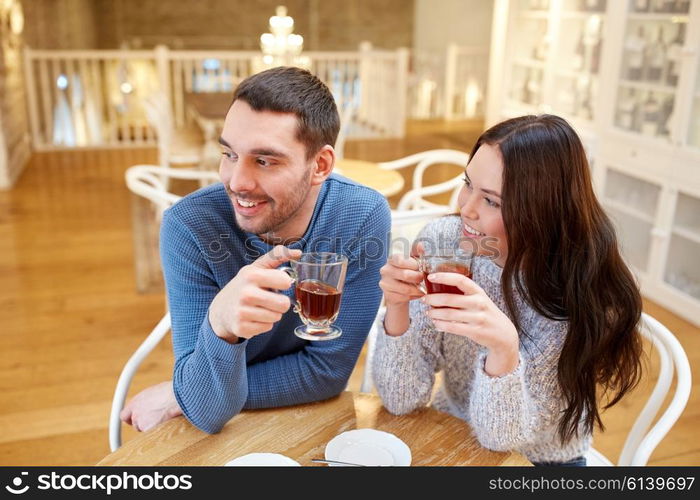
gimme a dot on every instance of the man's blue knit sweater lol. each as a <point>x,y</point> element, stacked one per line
<point>202,249</point>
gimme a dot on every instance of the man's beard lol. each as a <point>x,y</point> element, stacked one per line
<point>281,211</point>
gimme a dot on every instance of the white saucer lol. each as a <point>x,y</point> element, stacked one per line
<point>263,459</point>
<point>368,447</point>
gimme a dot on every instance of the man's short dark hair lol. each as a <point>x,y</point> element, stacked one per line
<point>288,89</point>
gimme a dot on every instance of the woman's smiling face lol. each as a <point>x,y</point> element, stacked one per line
<point>480,203</point>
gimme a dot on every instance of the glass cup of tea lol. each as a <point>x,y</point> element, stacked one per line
<point>319,278</point>
<point>445,260</point>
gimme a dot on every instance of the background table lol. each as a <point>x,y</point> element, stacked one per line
<point>301,432</point>
<point>387,182</point>
<point>210,105</point>
<point>209,110</point>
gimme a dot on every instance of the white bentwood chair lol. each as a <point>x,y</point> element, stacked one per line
<point>643,438</point>
<point>148,181</point>
<point>176,146</point>
<point>415,197</point>
<point>346,119</point>
<point>126,376</point>
<point>152,182</point>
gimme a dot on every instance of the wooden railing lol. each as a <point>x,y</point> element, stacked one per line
<point>93,98</point>
<point>183,71</point>
<point>87,98</point>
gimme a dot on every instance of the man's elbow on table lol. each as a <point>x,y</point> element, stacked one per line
<point>211,424</point>
<point>212,414</point>
<point>336,386</point>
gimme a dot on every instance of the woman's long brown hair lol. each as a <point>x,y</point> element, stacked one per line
<point>563,257</point>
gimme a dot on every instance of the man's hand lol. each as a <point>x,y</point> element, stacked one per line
<point>249,305</point>
<point>151,407</point>
<point>400,282</point>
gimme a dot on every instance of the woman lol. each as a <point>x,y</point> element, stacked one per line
<point>547,326</point>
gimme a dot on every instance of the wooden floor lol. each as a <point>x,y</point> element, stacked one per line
<point>70,315</point>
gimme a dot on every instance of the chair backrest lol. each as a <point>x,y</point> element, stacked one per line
<point>642,440</point>
<point>367,382</point>
<point>160,103</point>
<point>406,224</point>
<point>415,197</point>
<point>346,118</point>
<point>150,181</point>
<point>127,374</point>
<point>159,115</point>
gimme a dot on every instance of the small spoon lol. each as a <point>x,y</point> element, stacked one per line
<point>322,461</point>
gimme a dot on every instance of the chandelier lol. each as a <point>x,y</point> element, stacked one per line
<point>282,47</point>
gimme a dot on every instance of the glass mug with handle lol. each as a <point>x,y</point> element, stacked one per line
<point>445,260</point>
<point>318,278</point>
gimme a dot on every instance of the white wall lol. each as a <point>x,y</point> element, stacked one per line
<point>438,23</point>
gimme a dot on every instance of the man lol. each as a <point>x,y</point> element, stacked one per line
<point>220,248</point>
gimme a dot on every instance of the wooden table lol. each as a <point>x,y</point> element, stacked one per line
<point>387,182</point>
<point>301,432</point>
<point>210,105</point>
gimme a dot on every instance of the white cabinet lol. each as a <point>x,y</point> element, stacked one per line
<point>631,203</point>
<point>680,274</point>
<point>650,70</point>
<point>626,75</point>
<point>546,57</point>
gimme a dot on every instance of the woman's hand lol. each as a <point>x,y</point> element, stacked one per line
<point>399,282</point>
<point>474,315</point>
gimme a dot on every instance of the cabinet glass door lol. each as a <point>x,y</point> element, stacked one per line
<point>631,203</point>
<point>651,63</point>
<point>682,271</point>
<point>577,57</point>
<point>528,52</point>
<point>694,129</point>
